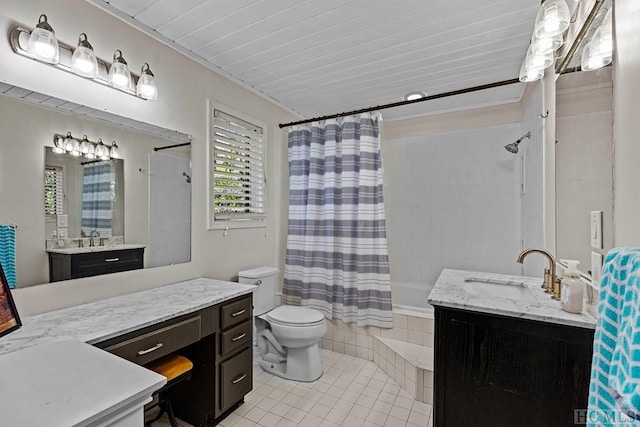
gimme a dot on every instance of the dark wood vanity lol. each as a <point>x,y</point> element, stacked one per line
<point>494,371</point>
<point>66,266</point>
<point>217,339</point>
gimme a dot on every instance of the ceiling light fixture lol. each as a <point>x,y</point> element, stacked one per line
<point>41,45</point>
<point>412,96</point>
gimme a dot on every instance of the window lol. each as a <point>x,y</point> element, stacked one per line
<point>237,171</point>
<point>53,190</point>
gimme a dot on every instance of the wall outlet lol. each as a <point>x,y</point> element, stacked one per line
<point>596,267</point>
<point>596,229</point>
<point>62,233</point>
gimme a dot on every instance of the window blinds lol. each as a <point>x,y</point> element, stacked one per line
<point>238,169</point>
<point>53,191</point>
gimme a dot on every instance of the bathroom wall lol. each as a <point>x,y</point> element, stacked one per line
<point>452,199</point>
<point>626,127</point>
<point>531,193</point>
<point>185,88</point>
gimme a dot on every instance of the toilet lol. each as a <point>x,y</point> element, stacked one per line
<point>287,336</point>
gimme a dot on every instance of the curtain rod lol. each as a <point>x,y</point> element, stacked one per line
<point>170,146</point>
<point>401,103</point>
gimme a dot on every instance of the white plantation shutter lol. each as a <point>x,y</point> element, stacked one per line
<point>53,191</point>
<point>238,169</point>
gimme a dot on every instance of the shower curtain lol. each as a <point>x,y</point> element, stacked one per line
<point>337,258</point>
<point>98,192</point>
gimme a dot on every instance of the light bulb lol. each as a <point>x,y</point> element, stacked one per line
<point>43,44</point>
<point>58,145</point>
<point>119,74</point>
<point>115,151</point>
<point>147,87</point>
<point>530,75</point>
<point>83,61</point>
<point>553,19</point>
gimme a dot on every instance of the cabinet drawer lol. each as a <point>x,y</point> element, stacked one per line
<point>106,257</point>
<point>236,337</point>
<point>158,343</point>
<point>235,379</point>
<point>235,312</point>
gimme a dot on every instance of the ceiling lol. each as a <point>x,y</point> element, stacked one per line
<point>317,57</point>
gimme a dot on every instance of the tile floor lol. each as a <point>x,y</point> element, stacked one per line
<point>352,392</point>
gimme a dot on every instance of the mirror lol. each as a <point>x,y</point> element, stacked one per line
<point>584,166</point>
<point>80,197</point>
<point>155,163</point>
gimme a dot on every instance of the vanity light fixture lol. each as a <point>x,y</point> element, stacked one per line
<point>91,150</point>
<point>147,87</point>
<point>83,61</point>
<point>412,96</point>
<point>119,74</point>
<point>42,43</point>
<point>552,21</point>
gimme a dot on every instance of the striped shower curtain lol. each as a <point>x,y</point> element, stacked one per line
<point>337,258</point>
<point>98,191</point>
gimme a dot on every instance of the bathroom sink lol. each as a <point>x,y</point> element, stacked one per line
<point>495,288</point>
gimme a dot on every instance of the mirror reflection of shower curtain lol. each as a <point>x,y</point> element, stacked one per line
<point>169,210</point>
<point>98,192</point>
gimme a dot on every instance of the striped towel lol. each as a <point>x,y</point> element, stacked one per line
<point>8,253</point>
<point>614,392</point>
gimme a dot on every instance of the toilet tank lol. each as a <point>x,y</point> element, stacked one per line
<point>266,278</point>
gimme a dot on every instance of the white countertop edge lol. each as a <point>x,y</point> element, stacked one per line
<point>518,315</point>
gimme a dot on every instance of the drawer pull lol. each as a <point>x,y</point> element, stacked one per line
<point>149,350</point>
<point>239,337</point>
<point>111,259</point>
<point>240,378</point>
<point>238,313</point>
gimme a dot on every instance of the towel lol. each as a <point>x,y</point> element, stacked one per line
<point>8,253</point>
<point>614,391</point>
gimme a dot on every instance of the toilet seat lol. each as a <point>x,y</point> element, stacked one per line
<point>288,315</point>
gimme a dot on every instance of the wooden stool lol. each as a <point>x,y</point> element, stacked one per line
<point>176,369</point>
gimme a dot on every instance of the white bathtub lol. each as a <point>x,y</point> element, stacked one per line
<point>411,297</point>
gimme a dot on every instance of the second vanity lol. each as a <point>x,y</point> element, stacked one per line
<point>206,320</point>
<point>506,354</point>
<point>75,263</point>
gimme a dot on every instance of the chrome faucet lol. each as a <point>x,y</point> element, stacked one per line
<point>551,282</point>
<point>91,236</point>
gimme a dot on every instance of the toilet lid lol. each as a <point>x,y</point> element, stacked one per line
<point>293,315</point>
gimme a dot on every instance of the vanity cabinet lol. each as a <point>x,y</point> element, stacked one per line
<point>65,266</point>
<point>493,370</point>
<point>217,339</point>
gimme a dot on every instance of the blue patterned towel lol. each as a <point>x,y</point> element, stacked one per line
<point>614,392</point>
<point>8,253</point>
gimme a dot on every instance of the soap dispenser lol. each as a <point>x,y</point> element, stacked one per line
<point>572,293</point>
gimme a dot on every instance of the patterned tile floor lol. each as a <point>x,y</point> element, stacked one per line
<point>352,392</point>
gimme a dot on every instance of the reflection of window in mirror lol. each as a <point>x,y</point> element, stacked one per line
<point>53,190</point>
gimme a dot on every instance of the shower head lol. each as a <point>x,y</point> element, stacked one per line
<point>513,147</point>
<point>186,175</point>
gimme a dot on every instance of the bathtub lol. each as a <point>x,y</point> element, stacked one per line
<point>408,298</point>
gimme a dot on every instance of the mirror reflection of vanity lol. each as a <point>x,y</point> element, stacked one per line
<point>149,203</point>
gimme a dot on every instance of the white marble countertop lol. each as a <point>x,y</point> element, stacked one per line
<point>452,291</point>
<point>70,384</point>
<point>89,249</point>
<point>101,320</point>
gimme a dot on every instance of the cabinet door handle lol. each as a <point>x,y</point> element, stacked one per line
<point>240,378</point>
<point>238,313</point>
<point>111,259</point>
<point>239,337</point>
<point>149,350</point>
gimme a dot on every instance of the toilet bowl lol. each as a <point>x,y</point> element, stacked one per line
<point>287,336</point>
